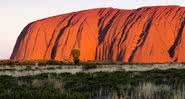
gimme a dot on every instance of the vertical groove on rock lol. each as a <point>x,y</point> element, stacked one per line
<point>177,40</point>
<point>52,37</point>
<point>54,49</point>
<point>144,34</point>
<point>35,41</point>
<point>103,32</point>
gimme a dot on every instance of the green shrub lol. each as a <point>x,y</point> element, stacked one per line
<point>89,66</point>
<point>53,62</point>
<point>76,54</point>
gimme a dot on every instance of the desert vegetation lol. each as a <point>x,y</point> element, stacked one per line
<point>85,67</point>
<point>76,54</point>
<point>154,84</point>
<point>56,62</point>
<point>31,62</point>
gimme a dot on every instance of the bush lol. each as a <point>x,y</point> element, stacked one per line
<point>31,62</point>
<point>76,54</point>
<point>89,66</point>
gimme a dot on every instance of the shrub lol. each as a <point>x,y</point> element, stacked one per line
<point>76,54</point>
<point>89,66</point>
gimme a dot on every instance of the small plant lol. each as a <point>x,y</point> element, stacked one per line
<point>54,62</point>
<point>76,54</point>
<point>89,66</point>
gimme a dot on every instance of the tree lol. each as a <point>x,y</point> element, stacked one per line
<point>76,54</point>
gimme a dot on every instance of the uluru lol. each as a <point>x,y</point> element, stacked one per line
<point>145,35</point>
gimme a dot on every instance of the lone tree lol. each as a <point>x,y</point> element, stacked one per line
<point>76,54</point>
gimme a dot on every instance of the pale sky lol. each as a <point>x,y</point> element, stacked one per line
<point>16,14</point>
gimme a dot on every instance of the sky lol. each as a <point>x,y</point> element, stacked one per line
<point>16,14</point>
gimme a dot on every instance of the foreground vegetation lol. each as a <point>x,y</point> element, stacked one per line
<point>55,62</point>
<point>32,62</point>
<point>93,85</point>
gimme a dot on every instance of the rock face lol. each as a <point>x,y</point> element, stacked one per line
<point>148,34</point>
